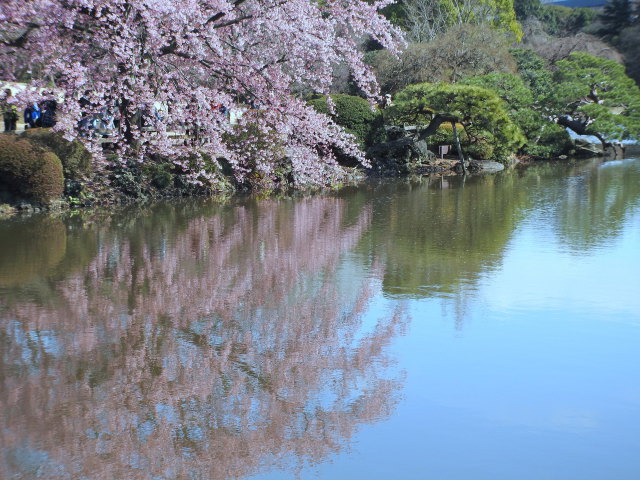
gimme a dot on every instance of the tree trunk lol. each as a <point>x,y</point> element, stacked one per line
<point>436,121</point>
<point>459,147</point>
<point>581,129</point>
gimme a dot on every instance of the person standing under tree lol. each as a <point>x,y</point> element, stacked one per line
<point>9,113</point>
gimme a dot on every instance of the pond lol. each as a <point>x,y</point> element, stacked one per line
<point>445,328</point>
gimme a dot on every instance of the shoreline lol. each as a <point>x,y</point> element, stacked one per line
<point>112,198</point>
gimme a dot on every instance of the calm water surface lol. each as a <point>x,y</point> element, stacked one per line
<point>486,328</point>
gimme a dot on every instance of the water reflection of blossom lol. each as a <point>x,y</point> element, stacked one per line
<point>227,346</point>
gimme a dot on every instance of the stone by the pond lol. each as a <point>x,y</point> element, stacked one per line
<point>489,166</point>
<point>585,148</point>
<point>480,166</point>
<point>616,150</point>
<point>401,155</point>
<point>72,187</point>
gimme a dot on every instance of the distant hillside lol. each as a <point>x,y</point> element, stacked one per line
<point>579,3</point>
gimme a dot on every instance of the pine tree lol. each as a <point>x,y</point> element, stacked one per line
<point>616,15</point>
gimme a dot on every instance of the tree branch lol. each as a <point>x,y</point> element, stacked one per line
<point>435,123</point>
<point>21,40</point>
<point>219,15</point>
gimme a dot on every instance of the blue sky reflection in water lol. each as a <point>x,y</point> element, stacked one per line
<point>533,370</point>
<point>485,328</point>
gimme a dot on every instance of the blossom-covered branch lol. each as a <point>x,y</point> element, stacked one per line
<point>189,55</point>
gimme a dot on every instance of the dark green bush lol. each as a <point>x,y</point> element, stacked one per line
<point>553,142</point>
<point>162,178</point>
<point>219,177</point>
<point>128,179</point>
<point>355,115</point>
<point>75,158</point>
<point>29,171</point>
<point>482,150</point>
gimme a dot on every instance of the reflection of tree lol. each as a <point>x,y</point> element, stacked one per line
<point>22,259</point>
<point>585,203</point>
<point>206,347</point>
<point>596,203</point>
<point>207,341</point>
<point>441,235</point>
<point>444,233</point>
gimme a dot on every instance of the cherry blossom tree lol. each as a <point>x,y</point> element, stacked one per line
<point>190,56</point>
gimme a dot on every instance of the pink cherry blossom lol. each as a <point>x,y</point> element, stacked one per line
<point>189,55</point>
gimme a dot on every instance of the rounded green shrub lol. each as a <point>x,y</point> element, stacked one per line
<point>29,171</point>
<point>482,150</point>
<point>75,158</point>
<point>355,115</point>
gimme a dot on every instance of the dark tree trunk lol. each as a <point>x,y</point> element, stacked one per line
<point>435,123</point>
<point>459,147</point>
<point>582,129</point>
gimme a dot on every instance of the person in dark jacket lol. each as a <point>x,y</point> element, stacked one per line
<point>48,118</point>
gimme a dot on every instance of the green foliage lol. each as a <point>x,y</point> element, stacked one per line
<point>509,87</point>
<point>6,211</point>
<point>355,115</point>
<point>76,159</point>
<point>444,135</point>
<point>563,21</point>
<point>481,112</point>
<point>128,179</point>
<point>436,16</point>
<point>164,174</point>
<point>29,171</point>
<point>526,9</point>
<point>597,97</point>
<point>579,19</point>
<point>532,68</point>
<point>628,45</point>
<point>544,138</point>
<point>503,16</point>
<point>556,19</point>
<point>463,51</point>
<point>395,13</point>
<point>161,175</point>
<point>481,150</point>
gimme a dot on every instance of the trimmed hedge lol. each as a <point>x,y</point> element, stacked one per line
<point>75,158</point>
<point>29,171</point>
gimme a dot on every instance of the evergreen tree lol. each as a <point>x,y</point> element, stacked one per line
<point>594,96</point>
<point>527,8</point>
<point>487,128</point>
<point>616,15</point>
